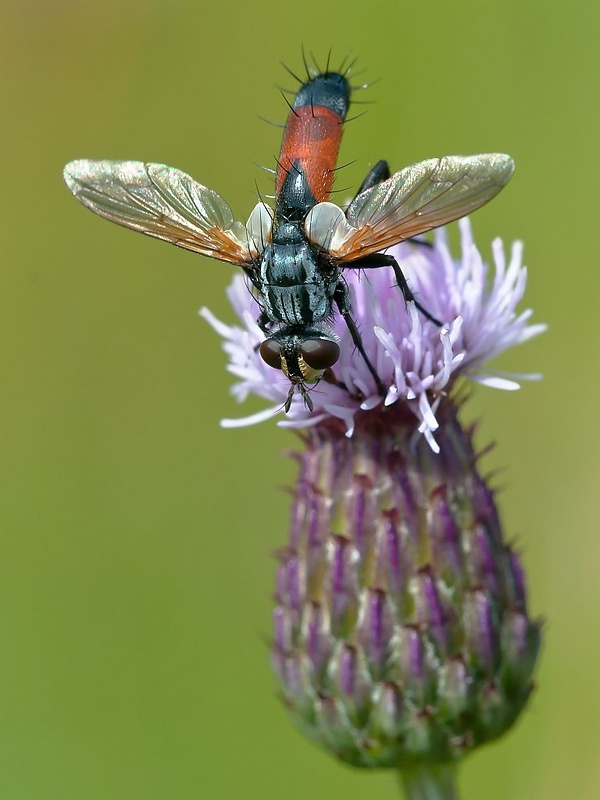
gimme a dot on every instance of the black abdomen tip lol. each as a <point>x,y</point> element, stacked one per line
<point>330,90</point>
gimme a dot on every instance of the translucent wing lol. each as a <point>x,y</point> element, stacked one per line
<point>166,203</point>
<point>415,200</point>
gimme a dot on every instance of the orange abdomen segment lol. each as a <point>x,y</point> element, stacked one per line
<point>311,141</point>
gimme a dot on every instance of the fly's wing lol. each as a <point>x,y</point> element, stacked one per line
<point>166,203</point>
<point>417,199</point>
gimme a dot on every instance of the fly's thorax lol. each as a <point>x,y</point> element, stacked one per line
<point>290,263</point>
<point>288,231</point>
<point>296,282</point>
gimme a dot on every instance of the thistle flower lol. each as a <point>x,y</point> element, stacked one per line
<point>401,631</point>
<point>414,359</point>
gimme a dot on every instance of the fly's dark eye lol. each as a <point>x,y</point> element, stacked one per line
<point>270,352</point>
<point>320,353</point>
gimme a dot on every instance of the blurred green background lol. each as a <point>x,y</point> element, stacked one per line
<point>136,568</point>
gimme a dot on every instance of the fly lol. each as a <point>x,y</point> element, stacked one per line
<point>295,255</point>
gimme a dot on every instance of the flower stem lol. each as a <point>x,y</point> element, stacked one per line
<point>429,782</point>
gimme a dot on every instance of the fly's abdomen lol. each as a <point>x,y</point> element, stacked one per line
<point>313,133</point>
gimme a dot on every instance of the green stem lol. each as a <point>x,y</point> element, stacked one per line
<point>429,782</point>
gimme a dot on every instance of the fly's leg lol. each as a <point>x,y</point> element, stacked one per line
<point>264,322</point>
<point>383,260</point>
<point>342,301</point>
<point>377,174</point>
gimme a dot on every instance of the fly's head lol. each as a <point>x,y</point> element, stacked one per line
<point>303,356</point>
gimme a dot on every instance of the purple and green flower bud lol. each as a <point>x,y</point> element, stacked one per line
<point>401,627</point>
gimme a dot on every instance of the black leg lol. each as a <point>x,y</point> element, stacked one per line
<point>379,173</point>
<point>383,260</point>
<point>264,322</point>
<point>342,302</point>
<point>421,242</point>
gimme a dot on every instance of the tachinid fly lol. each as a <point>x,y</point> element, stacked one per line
<point>295,256</point>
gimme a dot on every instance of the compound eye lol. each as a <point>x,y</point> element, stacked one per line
<point>270,351</point>
<point>320,353</point>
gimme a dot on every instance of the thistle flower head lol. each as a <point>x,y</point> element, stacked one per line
<point>402,634</point>
<point>416,361</point>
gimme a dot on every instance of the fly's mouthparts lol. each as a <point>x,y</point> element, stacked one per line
<point>303,391</point>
